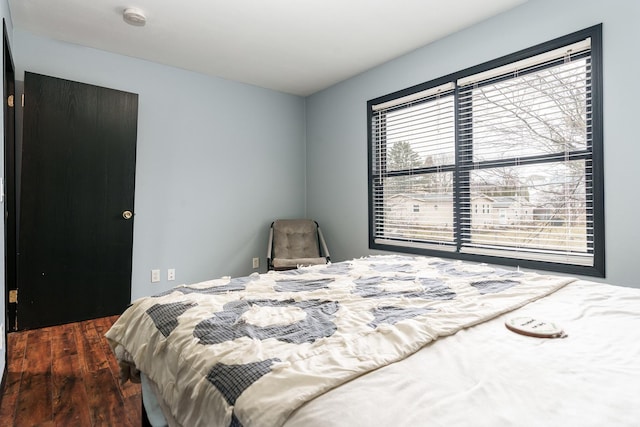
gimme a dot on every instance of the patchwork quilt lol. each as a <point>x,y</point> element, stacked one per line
<point>249,351</point>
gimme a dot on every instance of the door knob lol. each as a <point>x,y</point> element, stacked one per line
<point>127,214</point>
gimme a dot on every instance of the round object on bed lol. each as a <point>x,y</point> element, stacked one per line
<point>534,328</point>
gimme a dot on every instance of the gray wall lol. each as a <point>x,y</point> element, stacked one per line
<point>217,161</point>
<point>336,119</point>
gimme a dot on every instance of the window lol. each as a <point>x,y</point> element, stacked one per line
<point>511,151</point>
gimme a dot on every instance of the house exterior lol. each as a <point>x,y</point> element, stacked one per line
<point>435,210</point>
<point>500,211</point>
<point>426,209</point>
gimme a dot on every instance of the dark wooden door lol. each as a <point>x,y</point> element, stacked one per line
<point>78,170</point>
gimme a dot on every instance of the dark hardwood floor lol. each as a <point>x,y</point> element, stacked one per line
<point>66,376</point>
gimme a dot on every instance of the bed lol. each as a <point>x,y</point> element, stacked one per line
<point>385,340</point>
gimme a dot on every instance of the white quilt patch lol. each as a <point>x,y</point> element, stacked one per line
<point>264,316</point>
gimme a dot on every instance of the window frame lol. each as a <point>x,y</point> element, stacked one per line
<point>597,269</point>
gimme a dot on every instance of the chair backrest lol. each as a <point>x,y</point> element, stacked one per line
<point>295,238</point>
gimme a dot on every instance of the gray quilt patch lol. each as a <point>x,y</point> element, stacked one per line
<point>165,316</point>
<point>458,270</point>
<point>392,315</point>
<point>227,325</point>
<point>337,268</point>
<point>397,268</point>
<point>501,272</point>
<point>493,286</point>
<point>301,285</point>
<point>293,272</point>
<point>433,289</point>
<point>436,289</point>
<point>233,380</point>
<point>235,422</point>
<point>234,285</point>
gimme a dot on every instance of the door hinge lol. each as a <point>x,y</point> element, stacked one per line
<point>13,296</point>
<point>10,101</point>
<point>23,99</point>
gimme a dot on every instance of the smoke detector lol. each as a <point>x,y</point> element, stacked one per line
<point>134,16</point>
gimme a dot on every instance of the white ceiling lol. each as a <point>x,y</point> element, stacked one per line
<point>293,46</point>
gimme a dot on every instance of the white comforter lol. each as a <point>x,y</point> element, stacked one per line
<point>250,351</point>
<point>488,376</point>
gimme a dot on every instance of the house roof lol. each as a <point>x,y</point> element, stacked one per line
<point>497,201</point>
<point>425,197</point>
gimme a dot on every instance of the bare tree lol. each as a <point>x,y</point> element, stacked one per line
<point>543,113</point>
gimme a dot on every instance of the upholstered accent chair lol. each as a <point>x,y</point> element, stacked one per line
<point>296,242</point>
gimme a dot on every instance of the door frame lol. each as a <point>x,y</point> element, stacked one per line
<point>10,245</point>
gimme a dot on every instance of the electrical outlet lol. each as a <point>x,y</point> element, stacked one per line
<point>256,263</point>
<point>171,274</point>
<point>155,276</point>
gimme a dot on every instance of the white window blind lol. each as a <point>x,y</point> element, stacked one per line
<point>414,162</point>
<point>496,163</point>
<point>525,146</point>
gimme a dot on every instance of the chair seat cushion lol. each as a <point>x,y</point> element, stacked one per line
<point>295,239</point>
<point>285,263</point>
